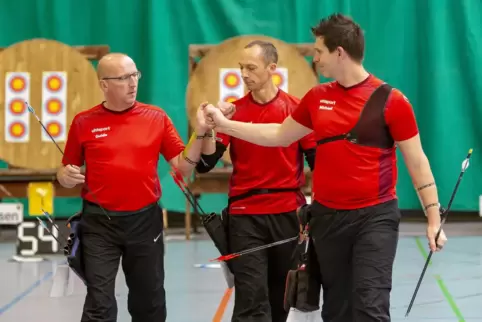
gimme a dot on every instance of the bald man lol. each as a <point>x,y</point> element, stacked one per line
<point>119,142</point>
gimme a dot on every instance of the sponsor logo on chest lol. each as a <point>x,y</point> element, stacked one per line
<point>100,132</point>
<point>327,105</point>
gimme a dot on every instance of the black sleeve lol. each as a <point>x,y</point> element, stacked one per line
<point>310,158</point>
<point>208,162</point>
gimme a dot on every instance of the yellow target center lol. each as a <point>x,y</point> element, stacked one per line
<point>53,129</point>
<point>232,80</point>
<point>276,79</point>
<point>17,129</point>
<point>17,107</point>
<point>230,99</point>
<point>18,84</point>
<point>54,83</point>
<point>53,106</point>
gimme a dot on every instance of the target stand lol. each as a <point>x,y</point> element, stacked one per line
<point>58,81</point>
<point>214,76</point>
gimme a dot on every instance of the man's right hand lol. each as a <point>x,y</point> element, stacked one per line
<point>214,116</point>
<point>70,176</point>
<point>227,108</point>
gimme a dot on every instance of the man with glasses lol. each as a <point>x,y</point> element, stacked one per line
<point>120,140</point>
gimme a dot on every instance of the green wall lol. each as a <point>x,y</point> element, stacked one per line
<point>428,49</point>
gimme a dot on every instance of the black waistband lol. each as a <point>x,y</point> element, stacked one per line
<point>260,192</point>
<point>91,208</point>
<point>320,209</point>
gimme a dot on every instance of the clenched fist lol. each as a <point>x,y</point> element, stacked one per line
<point>201,124</point>
<point>435,245</point>
<point>214,116</point>
<point>228,109</point>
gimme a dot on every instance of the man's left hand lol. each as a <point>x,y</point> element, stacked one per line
<point>432,230</point>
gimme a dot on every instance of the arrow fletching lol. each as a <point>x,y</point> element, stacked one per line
<point>466,162</point>
<point>30,108</point>
<point>225,258</point>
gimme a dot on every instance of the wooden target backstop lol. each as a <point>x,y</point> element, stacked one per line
<point>58,81</point>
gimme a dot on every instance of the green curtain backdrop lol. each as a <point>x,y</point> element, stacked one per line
<point>428,49</point>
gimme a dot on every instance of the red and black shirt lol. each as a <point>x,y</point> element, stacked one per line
<point>121,153</point>
<point>350,176</point>
<point>259,167</point>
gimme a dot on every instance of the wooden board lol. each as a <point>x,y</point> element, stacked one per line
<point>36,56</point>
<point>16,181</point>
<point>89,52</point>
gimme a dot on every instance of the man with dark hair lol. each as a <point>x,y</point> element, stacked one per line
<point>265,191</point>
<point>358,121</point>
<point>341,31</point>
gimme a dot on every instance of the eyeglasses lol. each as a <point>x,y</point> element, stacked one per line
<point>137,75</point>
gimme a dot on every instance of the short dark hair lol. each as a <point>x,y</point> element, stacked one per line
<point>339,30</point>
<point>269,51</point>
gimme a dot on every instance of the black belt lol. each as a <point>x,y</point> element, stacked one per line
<point>259,192</point>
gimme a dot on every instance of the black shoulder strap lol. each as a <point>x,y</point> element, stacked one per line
<point>370,129</point>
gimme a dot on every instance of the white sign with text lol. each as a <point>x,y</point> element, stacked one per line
<point>11,213</point>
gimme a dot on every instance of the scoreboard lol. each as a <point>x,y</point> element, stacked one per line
<point>34,240</point>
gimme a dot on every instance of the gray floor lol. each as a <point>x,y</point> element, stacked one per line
<point>451,290</point>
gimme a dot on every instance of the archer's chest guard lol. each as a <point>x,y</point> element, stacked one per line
<point>371,129</point>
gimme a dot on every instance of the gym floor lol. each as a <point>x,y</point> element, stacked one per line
<point>451,289</point>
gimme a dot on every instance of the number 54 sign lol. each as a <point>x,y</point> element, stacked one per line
<point>33,239</point>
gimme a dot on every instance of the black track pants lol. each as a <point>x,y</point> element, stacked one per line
<point>356,251</point>
<point>260,276</point>
<point>132,237</point>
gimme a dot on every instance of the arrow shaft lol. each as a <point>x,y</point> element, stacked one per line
<point>254,249</point>
<point>444,215</point>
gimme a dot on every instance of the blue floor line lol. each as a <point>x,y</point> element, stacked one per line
<point>25,293</point>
